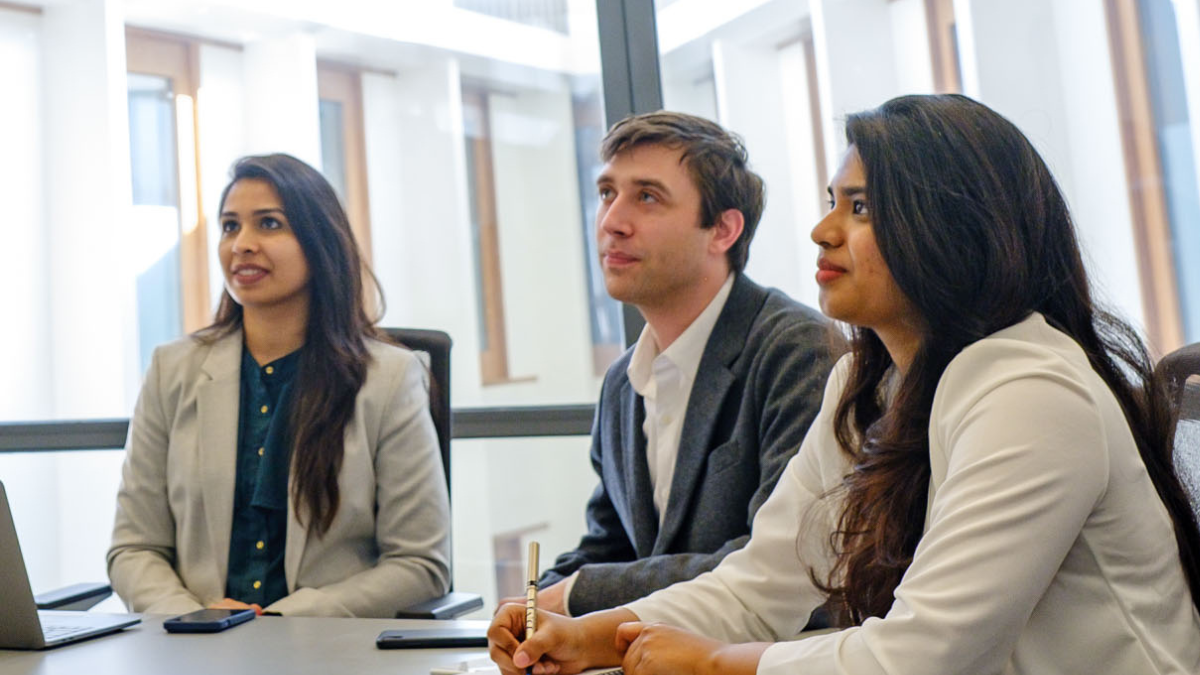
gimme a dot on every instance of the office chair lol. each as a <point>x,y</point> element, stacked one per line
<point>1180,372</point>
<point>436,345</point>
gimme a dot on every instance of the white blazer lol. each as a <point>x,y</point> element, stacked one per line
<point>1046,548</point>
<point>387,547</point>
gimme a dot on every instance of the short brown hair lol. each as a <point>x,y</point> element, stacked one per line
<point>716,160</point>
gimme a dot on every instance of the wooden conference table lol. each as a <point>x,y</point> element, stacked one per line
<point>264,646</point>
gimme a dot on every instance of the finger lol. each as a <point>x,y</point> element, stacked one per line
<point>627,633</point>
<point>631,662</point>
<point>508,625</point>
<point>543,640</point>
<point>507,601</point>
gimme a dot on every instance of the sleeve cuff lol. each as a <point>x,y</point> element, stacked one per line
<point>570,583</point>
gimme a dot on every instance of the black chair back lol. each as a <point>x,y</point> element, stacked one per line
<point>1180,371</point>
<point>437,345</point>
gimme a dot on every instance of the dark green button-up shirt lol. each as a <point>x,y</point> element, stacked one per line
<point>260,499</point>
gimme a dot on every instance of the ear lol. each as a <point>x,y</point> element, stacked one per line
<point>726,231</point>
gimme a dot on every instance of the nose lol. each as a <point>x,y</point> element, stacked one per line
<point>826,232</point>
<point>245,241</point>
<point>614,219</point>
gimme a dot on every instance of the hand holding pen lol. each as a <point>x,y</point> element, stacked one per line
<point>531,591</point>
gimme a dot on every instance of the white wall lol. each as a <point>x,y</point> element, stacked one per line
<point>750,100</point>
<point>69,245</point>
<point>420,228</point>
<point>280,94</point>
<point>30,480</point>
<point>222,121</point>
<point>24,354</point>
<point>808,198</point>
<point>852,74</point>
<point>910,47</point>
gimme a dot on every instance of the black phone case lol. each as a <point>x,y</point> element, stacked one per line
<point>419,638</point>
<point>174,625</point>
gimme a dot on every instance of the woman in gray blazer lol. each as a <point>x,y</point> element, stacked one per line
<point>284,457</point>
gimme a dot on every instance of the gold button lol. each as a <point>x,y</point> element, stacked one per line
<point>257,585</point>
<point>270,370</point>
<point>259,545</point>
<point>260,451</point>
<point>263,409</point>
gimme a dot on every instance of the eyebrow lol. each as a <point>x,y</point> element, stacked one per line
<point>848,191</point>
<point>258,212</point>
<point>605,179</point>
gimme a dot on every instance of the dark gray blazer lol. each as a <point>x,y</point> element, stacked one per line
<point>757,389</point>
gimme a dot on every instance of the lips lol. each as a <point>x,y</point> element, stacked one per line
<point>828,272</point>
<point>612,258</point>
<point>244,275</point>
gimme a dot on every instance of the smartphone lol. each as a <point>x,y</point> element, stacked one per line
<point>425,638</point>
<point>208,620</point>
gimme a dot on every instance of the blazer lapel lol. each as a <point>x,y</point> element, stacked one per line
<point>637,472</point>
<point>714,377</point>
<point>217,411</point>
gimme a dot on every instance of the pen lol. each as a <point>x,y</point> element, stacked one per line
<point>531,597</point>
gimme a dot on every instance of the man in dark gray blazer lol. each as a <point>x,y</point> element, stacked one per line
<point>697,420</point>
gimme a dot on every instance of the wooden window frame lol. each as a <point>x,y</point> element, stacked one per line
<point>493,359</point>
<point>1144,178</point>
<point>178,59</point>
<point>343,84</point>
<point>943,46</point>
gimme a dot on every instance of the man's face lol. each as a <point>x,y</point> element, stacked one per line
<point>652,248</point>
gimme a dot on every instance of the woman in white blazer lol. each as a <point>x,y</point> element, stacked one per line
<point>989,485</point>
<point>284,457</point>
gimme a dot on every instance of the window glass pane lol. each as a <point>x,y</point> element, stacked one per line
<point>744,65</point>
<point>155,210</point>
<point>498,508</point>
<point>333,146</point>
<point>784,74</point>
<point>63,505</point>
<point>1176,147</point>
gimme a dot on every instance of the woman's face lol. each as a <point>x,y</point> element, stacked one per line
<point>261,258</point>
<point>856,285</point>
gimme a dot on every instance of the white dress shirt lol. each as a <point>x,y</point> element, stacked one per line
<point>1046,548</point>
<point>664,381</point>
<point>664,378</point>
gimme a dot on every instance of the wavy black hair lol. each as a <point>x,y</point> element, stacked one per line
<point>977,234</point>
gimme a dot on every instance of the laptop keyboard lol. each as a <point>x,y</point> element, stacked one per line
<point>59,631</point>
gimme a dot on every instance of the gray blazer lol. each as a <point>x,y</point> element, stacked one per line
<point>757,389</point>
<point>388,546</point>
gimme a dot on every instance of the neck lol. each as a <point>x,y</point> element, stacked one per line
<point>902,344</point>
<point>669,319</point>
<point>274,332</point>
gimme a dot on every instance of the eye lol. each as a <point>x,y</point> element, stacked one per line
<point>647,198</point>
<point>859,207</point>
<point>270,223</point>
<point>830,203</point>
<point>604,193</point>
<point>229,226</point>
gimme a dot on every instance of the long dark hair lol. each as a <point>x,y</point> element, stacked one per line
<point>333,364</point>
<point>977,235</point>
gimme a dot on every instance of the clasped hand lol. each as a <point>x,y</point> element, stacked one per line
<point>564,645</point>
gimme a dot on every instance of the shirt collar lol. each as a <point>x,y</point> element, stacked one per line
<point>685,352</point>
